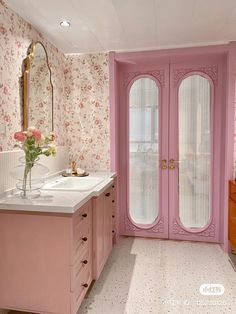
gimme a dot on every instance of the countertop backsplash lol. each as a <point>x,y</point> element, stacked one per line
<point>10,159</point>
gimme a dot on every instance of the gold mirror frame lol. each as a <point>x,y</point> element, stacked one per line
<point>26,82</point>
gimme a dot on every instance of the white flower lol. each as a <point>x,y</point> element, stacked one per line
<point>29,132</point>
<point>52,149</point>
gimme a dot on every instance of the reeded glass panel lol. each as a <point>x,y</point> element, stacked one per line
<point>143,151</point>
<point>194,151</point>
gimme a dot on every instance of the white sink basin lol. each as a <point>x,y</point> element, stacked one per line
<point>73,184</point>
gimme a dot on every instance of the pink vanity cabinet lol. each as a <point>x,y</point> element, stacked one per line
<point>45,260</point>
<point>103,228</point>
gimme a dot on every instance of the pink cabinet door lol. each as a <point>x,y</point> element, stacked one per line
<point>108,210</point>
<point>42,267</point>
<point>98,235</point>
<point>102,230</point>
<point>35,262</point>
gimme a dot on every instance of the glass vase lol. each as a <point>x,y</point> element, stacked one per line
<point>30,177</point>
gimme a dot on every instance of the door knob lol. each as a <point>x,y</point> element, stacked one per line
<point>163,164</point>
<point>173,164</point>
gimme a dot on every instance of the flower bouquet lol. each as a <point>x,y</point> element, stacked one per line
<point>34,144</point>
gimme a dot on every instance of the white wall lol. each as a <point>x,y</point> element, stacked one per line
<point>10,159</point>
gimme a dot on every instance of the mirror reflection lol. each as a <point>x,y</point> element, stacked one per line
<point>38,90</point>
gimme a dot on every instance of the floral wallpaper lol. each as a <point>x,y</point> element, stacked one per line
<point>87,113</point>
<point>16,36</point>
<point>80,85</point>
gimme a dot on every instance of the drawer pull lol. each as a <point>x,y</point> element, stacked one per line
<point>85,285</point>
<point>84,239</point>
<point>107,194</point>
<point>84,215</point>
<point>113,216</point>
<point>113,186</point>
<point>85,262</point>
<point>113,201</point>
<point>113,231</point>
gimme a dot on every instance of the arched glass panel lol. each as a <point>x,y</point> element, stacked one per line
<point>143,151</point>
<point>194,151</point>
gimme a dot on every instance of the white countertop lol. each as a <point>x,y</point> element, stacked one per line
<point>66,202</point>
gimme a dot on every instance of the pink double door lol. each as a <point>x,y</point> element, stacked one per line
<point>170,150</point>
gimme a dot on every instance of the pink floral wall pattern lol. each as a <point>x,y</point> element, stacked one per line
<point>15,37</point>
<point>87,112</point>
<point>80,83</point>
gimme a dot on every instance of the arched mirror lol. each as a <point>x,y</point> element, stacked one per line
<point>195,151</point>
<point>38,89</point>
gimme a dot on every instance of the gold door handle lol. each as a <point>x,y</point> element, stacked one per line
<point>173,164</point>
<point>163,164</point>
<point>171,161</point>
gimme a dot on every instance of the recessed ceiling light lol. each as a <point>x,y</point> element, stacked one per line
<point>65,23</point>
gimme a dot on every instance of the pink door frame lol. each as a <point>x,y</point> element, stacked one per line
<point>228,52</point>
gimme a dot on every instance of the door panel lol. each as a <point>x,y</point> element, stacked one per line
<point>193,210</point>
<point>194,139</point>
<point>143,151</point>
<point>144,124</point>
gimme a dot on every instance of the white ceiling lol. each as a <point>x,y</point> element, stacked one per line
<point>122,25</point>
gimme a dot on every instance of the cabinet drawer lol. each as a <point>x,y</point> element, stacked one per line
<point>113,224</point>
<point>110,199</point>
<point>233,198</point>
<point>232,232</point>
<point>232,187</point>
<point>82,263</point>
<point>109,192</point>
<point>232,208</point>
<point>232,228</point>
<point>83,215</point>
<point>113,207</point>
<point>81,288</point>
<point>82,240</point>
<point>113,186</point>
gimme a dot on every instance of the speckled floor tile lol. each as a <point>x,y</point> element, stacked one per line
<point>145,276</point>
<point>102,307</point>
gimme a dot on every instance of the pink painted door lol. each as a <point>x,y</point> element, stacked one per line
<point>144,129</point>
<point>194,151</point>
<point>169,130</point>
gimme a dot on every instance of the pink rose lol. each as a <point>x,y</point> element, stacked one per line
<point>36,134</point>
<point>20,136</point>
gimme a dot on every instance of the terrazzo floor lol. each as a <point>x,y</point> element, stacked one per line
<point>145,276</point>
